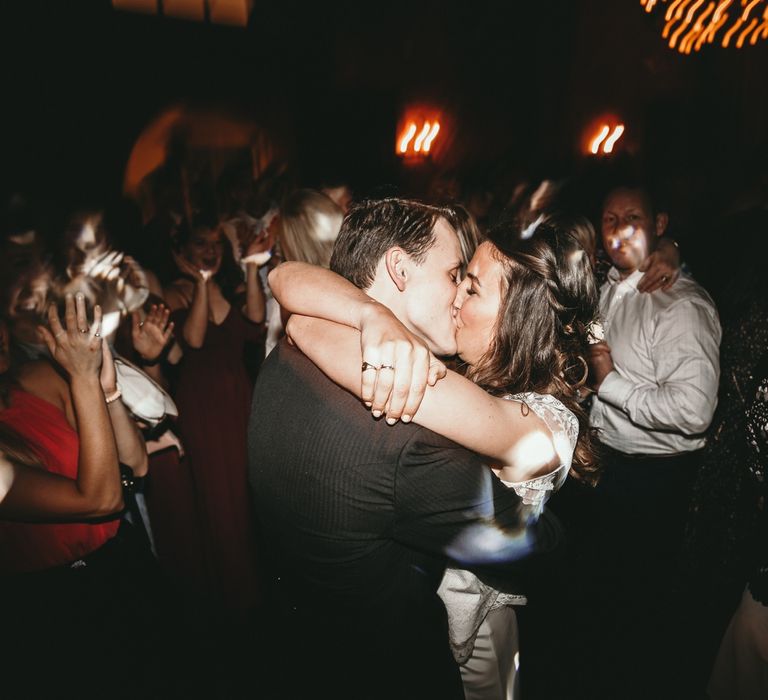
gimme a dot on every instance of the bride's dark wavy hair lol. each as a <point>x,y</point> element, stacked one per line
<point>549,299</point>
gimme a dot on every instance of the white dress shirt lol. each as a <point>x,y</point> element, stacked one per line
<point>665,346</point>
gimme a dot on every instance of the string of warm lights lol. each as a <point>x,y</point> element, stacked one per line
<point>689,24</point>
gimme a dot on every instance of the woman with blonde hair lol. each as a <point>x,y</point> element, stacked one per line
<point>309,224</point>
<point>307,229</point>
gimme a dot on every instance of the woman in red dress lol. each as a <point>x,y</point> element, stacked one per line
<point>213,394</point>
<point>74,576</point>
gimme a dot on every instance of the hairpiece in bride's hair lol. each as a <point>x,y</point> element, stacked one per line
<point>595,332</point>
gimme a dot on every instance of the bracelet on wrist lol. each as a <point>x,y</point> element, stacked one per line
<point>114,396</point>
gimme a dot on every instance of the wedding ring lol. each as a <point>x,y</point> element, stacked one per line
<point>368,365</point>
<point>97,335</point>
<point>387,367</point>
<point>83,330</point>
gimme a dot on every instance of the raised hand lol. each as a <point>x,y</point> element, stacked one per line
<point>397,366</point>
<point>151,335</point>
<point>106,267</point>
<point>76,346</point>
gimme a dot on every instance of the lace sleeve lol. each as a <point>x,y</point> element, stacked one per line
<point>564,427</point>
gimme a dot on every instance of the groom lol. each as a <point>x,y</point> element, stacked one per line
<point>358,517</point>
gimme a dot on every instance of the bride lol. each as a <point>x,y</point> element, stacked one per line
<point>522,315</point>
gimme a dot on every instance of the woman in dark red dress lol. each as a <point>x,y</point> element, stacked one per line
<point>218,325</point>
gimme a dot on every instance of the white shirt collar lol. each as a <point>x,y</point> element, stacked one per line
<point>614,277</point>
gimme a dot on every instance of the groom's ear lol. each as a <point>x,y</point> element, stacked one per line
<point>396,260</point>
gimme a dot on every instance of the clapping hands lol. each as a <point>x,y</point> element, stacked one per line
<point>258,250</point>
<point>187,268</point>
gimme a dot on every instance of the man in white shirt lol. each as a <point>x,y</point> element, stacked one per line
<point>656,379</point>
<point>657,373</point>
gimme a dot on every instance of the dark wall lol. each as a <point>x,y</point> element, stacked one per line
<point>521,80</point>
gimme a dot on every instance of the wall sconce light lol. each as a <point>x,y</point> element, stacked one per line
<point>605,139</point>
<point>417,135</point>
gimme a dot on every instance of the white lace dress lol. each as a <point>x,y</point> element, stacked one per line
<point>467,599</point>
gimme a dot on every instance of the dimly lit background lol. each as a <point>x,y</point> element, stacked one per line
<point>520,83</point>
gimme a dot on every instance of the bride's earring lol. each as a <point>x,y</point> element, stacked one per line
<point>583,379</point>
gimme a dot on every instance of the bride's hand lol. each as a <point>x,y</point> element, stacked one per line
<point>397,365</point>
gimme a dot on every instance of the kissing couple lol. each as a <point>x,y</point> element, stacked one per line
<point>401,503</point>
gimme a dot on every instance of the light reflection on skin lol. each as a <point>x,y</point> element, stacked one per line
<point>630,230</point>
<point>535,448</point>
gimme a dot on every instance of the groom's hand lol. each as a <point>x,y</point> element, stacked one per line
<point>397,366</point>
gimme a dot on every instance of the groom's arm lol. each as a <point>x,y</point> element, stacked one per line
<point>448,503</point>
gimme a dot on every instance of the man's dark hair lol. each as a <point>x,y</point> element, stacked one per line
<point>372,227</point>
<point>651,191</point>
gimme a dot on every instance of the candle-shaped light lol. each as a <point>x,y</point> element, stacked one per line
<point>595,146</point>
<point>410,132</point>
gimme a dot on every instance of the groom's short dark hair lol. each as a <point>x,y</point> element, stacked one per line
<point>372,227</point>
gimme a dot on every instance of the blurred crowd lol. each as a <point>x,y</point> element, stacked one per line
<point>132,334</point>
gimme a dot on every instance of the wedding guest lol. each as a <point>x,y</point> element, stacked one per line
<point>725,534</point>
<point>655,377</point>
<point>307,227</point>
<point>217,316</point>
<point>71,566</point>
<point>741,668</point>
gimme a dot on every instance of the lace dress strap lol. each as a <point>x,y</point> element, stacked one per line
<point>564,427</point>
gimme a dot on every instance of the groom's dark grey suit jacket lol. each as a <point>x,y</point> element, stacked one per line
<point>361,518</point>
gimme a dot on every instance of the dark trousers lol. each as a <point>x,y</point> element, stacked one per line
<point>614,608</point>
<point>643,502</point>
<point>641,509</point>
<point>372,651</point>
